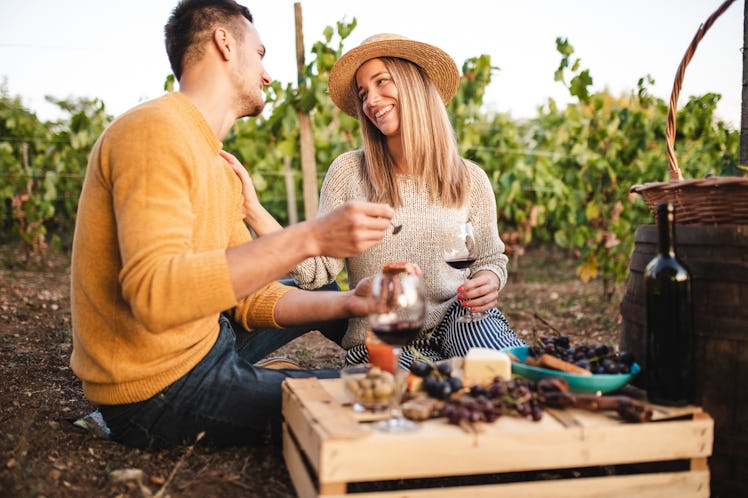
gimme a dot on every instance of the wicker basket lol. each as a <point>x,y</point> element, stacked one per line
<point>712,200</point>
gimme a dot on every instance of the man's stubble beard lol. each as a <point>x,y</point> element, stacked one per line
<point>251,105</point>
<point>251,109</point>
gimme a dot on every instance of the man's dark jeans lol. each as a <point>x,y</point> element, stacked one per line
<point>224,395</point>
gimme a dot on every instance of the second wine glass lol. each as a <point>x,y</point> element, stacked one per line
<point>460,253</point>
<point>397,313</point>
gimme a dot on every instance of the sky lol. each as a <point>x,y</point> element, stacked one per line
<point>114,50</point>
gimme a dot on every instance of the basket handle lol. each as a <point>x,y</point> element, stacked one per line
<point>675,172</point>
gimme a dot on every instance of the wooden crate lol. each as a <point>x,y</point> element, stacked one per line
<point>569,453</point>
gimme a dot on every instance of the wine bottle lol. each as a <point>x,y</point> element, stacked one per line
<point>669,369</point>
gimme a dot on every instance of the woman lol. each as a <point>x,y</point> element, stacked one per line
<point>398,89</point>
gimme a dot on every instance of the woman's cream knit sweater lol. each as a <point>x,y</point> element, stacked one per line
<point>426,227</point>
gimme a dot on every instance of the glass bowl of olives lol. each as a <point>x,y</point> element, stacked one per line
<point>368,388</point>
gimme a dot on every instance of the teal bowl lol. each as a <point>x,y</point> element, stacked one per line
<point>577,383</point>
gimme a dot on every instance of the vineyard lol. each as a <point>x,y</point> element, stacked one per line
<point>561,179</point>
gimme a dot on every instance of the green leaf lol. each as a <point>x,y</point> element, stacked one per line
<point>327,33</point>
<point>592,211</point>
<point>307,100</point>
<point>579,84</point>
<point>345,29</point>
<point>169,83</point>
<point>287,147</point>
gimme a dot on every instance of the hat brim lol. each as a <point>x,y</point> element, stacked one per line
<point>437,64</point>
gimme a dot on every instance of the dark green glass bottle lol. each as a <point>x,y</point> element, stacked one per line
<point>670,368</point>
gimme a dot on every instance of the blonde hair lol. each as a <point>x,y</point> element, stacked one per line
<point>429,145</point>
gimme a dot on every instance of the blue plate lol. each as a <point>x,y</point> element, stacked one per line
<point>577,383</point>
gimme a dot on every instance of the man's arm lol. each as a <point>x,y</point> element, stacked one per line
<point>346,231</point>
<point>298,307</point>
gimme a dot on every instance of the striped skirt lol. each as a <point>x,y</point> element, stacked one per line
<point>451,338</point>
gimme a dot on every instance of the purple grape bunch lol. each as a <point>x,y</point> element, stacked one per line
<point>481,403</point>
<point>439,380</point>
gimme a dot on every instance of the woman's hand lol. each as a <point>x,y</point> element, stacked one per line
<point>251,202</point>
<point>255,214</point>
<point>481,292</point>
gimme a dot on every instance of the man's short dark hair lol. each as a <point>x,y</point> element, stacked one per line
<point>192,22</point>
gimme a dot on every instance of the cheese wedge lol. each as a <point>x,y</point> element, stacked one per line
<point>482,365</point>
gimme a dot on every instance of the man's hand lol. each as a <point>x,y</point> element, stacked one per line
<point>298,306</point>
<point>359,301</point>
<point>351,228</point>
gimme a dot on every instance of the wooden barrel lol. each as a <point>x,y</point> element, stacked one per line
<point>717,257</point>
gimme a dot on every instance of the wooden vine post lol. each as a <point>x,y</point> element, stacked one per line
<point>744,106</point>
<point>293,214</point>
<point>308,162</point>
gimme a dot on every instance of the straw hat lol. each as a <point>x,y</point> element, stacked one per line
<point>437,63</point>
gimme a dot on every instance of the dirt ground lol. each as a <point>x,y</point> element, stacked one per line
<point>42,454</point>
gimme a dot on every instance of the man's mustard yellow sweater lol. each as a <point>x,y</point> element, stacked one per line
<point>149,275</point>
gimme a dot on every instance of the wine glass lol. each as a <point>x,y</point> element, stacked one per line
<point>459,253</point>
<point>398,308</point>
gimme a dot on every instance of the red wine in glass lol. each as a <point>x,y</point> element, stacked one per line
<point>398,309</point>
<point>459,253</point>
<point>460,263</point>
<point>400,333</point>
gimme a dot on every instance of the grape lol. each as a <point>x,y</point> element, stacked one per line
<point>484,404</point>
<point>626,358</point>
<point>430,384</point>
<point>583,363</point>
<point>470,403</point>
<point>601,350</point>
<point>536,412</point>
<point>522,392</point>
<point>491,416</point>
<point>445,369</point>
<point>455,383</point>
<point>463,413</point>
<point>610,366</point>
<point>524,409</point>
<point>437,388</point>
<point>420,368</point>
<point>497,390</point>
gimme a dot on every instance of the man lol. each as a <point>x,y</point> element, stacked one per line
<point>161,249</point>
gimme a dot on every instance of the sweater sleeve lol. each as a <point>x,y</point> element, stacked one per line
<point>155,183</point>
<point>258,309</point>
<point>482,213</point>
<point>313,273</point>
